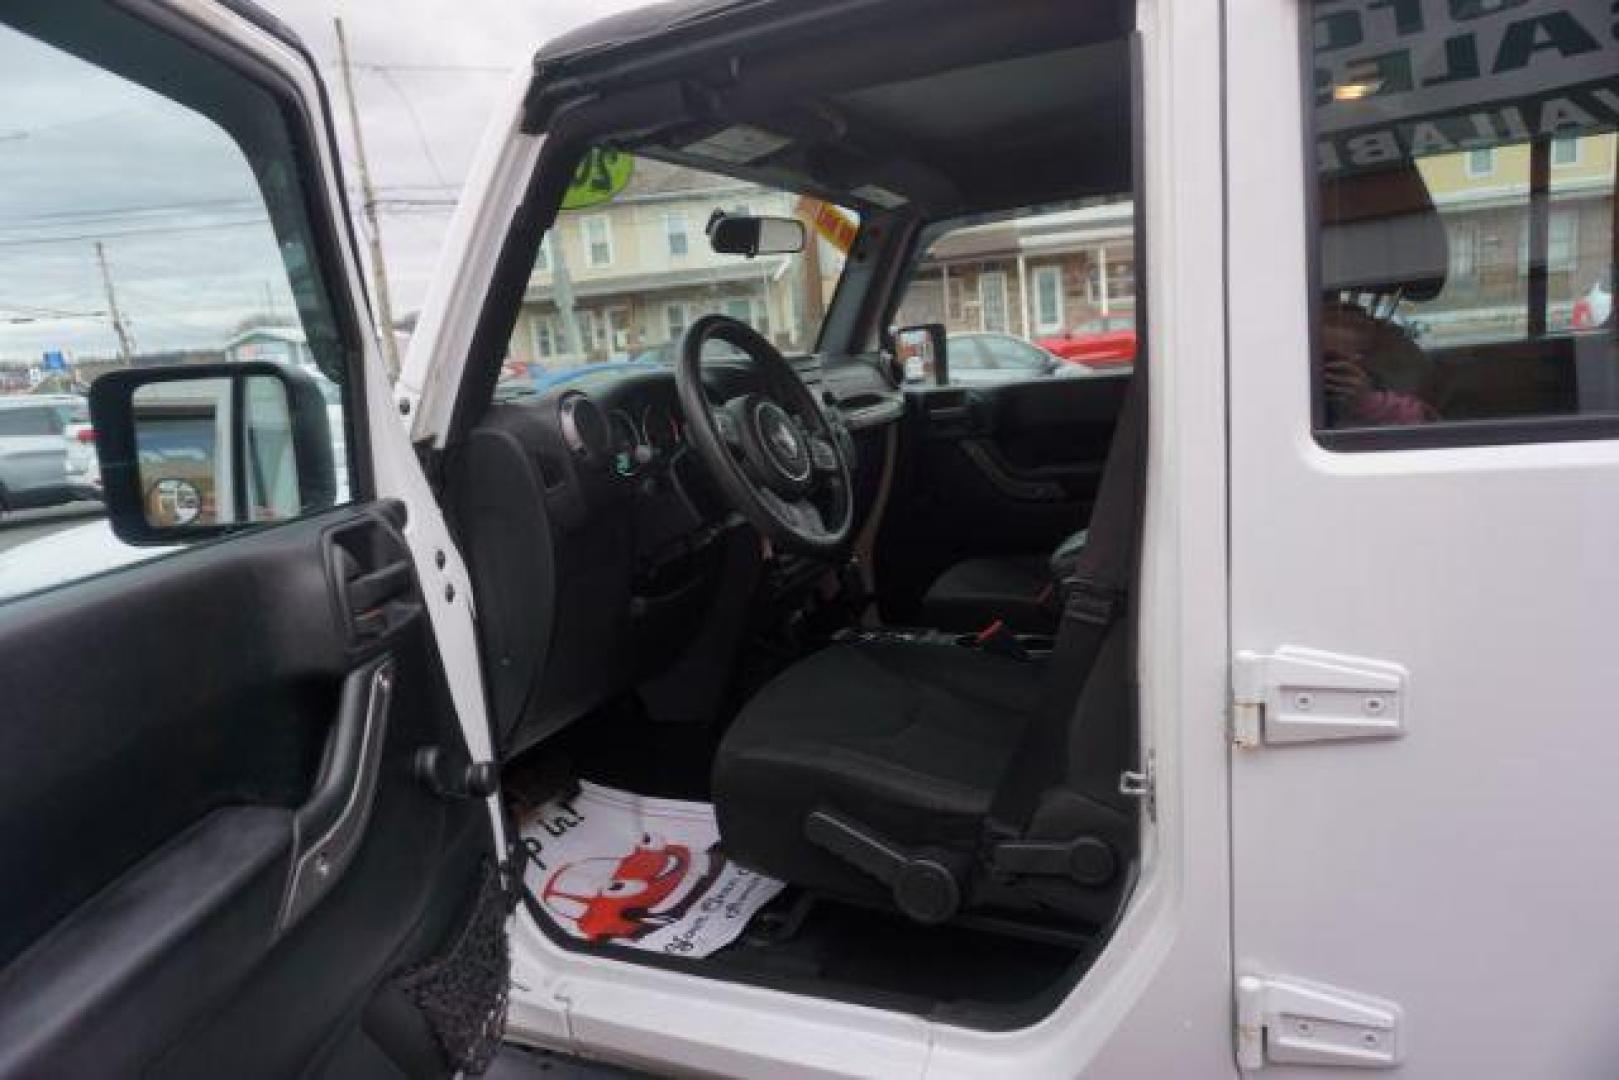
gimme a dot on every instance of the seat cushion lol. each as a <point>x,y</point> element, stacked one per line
<point>906,739</point>
<point>975,592</point>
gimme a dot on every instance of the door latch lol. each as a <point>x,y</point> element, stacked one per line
<point>1296,695</point>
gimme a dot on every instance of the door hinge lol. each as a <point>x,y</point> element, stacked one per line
<point>1287,1021</point>
<point>1142,784</point>
<point>1296,695</point>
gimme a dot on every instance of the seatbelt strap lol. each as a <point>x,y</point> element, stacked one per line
<point>1096,593</point>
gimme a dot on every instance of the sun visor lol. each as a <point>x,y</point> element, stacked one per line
<point>1380,233</point>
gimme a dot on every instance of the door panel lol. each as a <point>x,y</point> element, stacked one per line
<point>154,802</point>
<point>993,470</point>
<point>218,857</point>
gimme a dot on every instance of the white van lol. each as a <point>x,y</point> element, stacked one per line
<point>751,710</point>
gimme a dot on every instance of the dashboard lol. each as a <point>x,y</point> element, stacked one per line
<point>619,436</point>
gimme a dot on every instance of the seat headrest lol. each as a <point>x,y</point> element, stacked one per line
<point>1380,233</point>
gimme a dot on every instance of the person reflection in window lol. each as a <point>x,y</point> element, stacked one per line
<point>1373,374</point>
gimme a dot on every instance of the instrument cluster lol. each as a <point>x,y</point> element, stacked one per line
<point>643,436</point>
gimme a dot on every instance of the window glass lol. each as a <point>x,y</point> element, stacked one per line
<point>1467,168</point>
<point>598,241</point>
<point>1039,293</point>
<point>679,242</point>
<point>628,273</point>
<point>140,231</point>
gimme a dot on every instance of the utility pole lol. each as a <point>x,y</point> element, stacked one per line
<point>562,295</point>
<point>126,347</point>
<point>368,195</point>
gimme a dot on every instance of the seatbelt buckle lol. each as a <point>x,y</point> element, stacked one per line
<point>1087,600</point>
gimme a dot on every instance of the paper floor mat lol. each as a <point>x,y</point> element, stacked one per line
<point>616,868</point>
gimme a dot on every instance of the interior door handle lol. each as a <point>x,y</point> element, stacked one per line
<point>372,576</point>
<point>331,824</point>
<point>370,591</point>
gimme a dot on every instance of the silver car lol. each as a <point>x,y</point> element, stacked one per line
<point>37,437</point>
<point>987,357</point>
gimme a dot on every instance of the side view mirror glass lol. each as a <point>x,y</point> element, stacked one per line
<point>920,351</point>
<point>739,234</point>
<point>199,450</point>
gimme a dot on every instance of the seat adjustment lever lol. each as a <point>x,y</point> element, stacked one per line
<point>923,886</point>
<point>1085,859</point>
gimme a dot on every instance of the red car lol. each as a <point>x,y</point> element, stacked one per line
<point>1098,343</point>
<point>622,898</point>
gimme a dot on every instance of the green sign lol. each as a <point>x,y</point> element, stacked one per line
<point>601,175</point>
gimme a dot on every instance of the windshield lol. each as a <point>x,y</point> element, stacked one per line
<point>627,267</point>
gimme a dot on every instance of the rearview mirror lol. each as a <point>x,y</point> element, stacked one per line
<point>203,449</point>
<point>744,234</point>
<point>922,354</point>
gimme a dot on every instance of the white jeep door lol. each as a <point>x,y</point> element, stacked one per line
<point>1425,492</point>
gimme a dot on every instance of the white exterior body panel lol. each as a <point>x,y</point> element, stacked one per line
<point>1464,871</point>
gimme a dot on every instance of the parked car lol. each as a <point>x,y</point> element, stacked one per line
<point>83,467</point>
<point>37,466</point>
<point>1593,309</point>
<point>1110,339</point>
<point>984,358</point>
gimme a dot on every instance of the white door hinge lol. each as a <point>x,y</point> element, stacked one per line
<point>1296,695</point>
<point>1286,1021</point>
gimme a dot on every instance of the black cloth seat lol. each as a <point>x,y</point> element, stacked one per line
<point>974,593</point>
<point>940,778</point>
<point>1019,590</point>
<point>910,739</point>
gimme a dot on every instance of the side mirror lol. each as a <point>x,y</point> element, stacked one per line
<point>199,450</point>
<point>921,352</point>
<point>739,234</point>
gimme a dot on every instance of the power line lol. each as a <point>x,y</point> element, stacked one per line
<point>113,234</point>
<point>416,123</point>
<point>130,211</point>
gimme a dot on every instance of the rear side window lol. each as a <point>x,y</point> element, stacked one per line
<point>1466,167</point>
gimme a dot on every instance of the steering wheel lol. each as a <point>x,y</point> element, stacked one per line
<point>780,460</point>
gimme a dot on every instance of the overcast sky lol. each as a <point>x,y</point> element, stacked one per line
<point>88,158</point>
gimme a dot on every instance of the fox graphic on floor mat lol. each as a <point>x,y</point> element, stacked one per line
<point>623,899</point>
<point>614,868</point>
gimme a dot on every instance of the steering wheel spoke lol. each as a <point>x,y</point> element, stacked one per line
<point>824,456</point>
<point>728,427</point>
